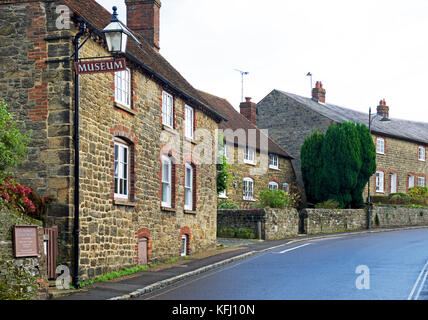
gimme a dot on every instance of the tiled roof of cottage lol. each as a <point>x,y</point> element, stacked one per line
<point>145,55</point>
<point>237,121</point>
<point>399,128</point>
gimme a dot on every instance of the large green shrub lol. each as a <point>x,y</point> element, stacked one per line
<point>225,204</point>
<point>13,143</point>
<point>273,198</point>
<point>337,165</point>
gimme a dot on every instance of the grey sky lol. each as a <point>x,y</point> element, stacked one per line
<point>362,51</point>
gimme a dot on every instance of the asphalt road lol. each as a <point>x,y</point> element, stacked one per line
<point>388,265</point>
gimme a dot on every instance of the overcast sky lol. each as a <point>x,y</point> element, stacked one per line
<point>362,51</point>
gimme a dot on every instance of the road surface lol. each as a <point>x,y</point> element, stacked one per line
<point>387,265</point>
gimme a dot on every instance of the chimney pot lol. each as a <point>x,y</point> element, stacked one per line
<point>382,109</point>
<point>249,110</point>
<point>318,93</point>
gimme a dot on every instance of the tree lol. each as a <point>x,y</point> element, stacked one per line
<point>311,164</point>
<point>338,165</point>
<point>13,144</point>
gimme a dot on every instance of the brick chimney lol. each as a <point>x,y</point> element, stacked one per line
<point>143,18</point>
<point>249,110</point>
<point>382,109</point>
<point>318,93</point>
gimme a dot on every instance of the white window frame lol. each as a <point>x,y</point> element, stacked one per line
<point>421,181</point>
<point>249,155</point>
<point>121,171</point>
<point>273,161</point>
<point>183,245</point>
<point>421,153</point>
<point>166,180</point>
<point>380,181</point>
<point>380,145</point>
<point>189,121</point>
<point>167,109</point>
<point>394,186</point>
<point>122,87</point>
<point>248,189</point>
<point>225,150</point>
<point>411,178</point>
<point>273,185</point>
<point>188,186</point>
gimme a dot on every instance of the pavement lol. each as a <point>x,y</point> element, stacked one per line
<point>228,251</point>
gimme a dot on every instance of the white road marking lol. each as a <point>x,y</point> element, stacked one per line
<point>417,284</point>
<point>291,249</point>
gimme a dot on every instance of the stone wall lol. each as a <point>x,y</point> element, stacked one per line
<point>340,220</point>
<point>34,268</point>
<point>260,173</point>
<point>332,220</point>
<point>275,223</point>
<point>39,95</point>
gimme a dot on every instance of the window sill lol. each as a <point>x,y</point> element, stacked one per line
<point>381,153</point>
<point>124,108</point>
<point>249,162</point>
<point>167,209</point>
<point>191,212</point>
<point>274,168</point>
<point>191,140</point>
<point>223,197</point>
<point>250,200</point>
<point>169,129</point>
<point>123,202</point>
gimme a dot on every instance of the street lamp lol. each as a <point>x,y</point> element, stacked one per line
<point>116,35</point>
<point>369,205</point>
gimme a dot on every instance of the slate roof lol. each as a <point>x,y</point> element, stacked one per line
<point>399,128</point>
<point>237,121</point>
<point>97,17</point>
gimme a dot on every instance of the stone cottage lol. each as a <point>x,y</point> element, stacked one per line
<point>145,194</point>
<point>258,163</point>
<point>401,145</point>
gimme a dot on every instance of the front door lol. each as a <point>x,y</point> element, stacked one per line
<point>142,251</point>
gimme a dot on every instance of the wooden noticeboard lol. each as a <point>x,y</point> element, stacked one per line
<point>25,241</point>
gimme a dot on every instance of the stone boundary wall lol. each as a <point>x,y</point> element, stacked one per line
<point>274,224</point>
<point>340,220</point>
<point>35,266</point>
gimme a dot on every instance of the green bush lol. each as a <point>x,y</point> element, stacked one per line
<point>329,204</point>
<point>13,144</point>
<point>225,204</point>
<point>244,233</point>
<point>420,193</point>
<point>226,233</point>
<point>273,198</point>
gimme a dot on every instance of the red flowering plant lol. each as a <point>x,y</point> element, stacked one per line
<point>16,196</point>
